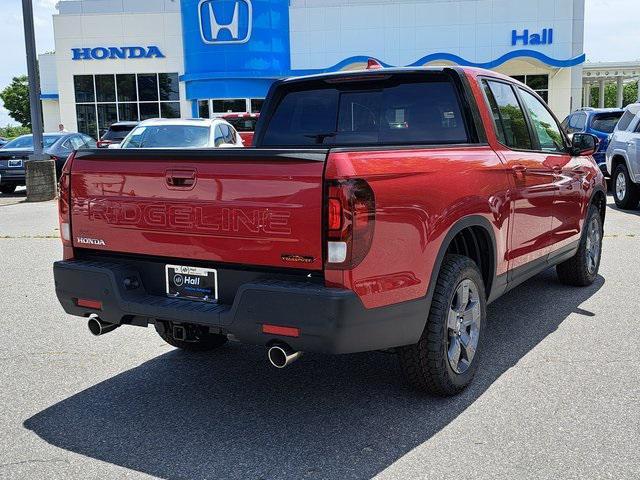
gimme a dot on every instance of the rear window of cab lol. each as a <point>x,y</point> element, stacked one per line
<point>388,110</point>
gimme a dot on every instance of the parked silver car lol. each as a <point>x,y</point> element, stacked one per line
<point>623,158</point>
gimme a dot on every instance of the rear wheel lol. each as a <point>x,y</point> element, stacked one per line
<point>7,189</point>
<point>581,270</point>
<point>625,192</point>
<point>446,357</point>
<point>190,337</point>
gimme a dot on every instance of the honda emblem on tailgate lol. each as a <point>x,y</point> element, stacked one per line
<point>225,21</point>
<point>90,241</point>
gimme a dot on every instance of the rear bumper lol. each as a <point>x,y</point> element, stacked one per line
<point>330,320</point>
<point>12,175</point>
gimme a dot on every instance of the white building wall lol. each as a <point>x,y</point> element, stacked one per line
<point>83,24</point>
<point>51,115</point>
<point>401,32</point>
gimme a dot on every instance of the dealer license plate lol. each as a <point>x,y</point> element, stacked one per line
<point>194,283</point>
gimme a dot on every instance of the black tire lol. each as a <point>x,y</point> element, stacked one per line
<point>7,189</point>
<point>628,197</point>
<point>201,341</point>
<point>426,364</point>
<point>581,270</point>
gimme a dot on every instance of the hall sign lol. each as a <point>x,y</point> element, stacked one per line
<point>116,53</point>
<point>545,37</point>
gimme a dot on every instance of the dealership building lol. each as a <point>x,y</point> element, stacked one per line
<point>121,60</point>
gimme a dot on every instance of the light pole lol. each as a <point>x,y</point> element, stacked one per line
<point>40,170</point>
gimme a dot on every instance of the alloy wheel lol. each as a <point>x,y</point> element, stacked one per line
<point>463,325</point>
<point>621,186</point>
<point>593,245</point>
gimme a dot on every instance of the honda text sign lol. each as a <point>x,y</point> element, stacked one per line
<point>225,21</point>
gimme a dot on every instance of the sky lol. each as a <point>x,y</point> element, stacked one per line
<point>605,19</point>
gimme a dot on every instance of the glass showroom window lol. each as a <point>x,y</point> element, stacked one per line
<point>537,83</point>
<point>102,100</point>
<point>222,106</point>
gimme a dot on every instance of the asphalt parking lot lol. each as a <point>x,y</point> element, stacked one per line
<point>558,395</point>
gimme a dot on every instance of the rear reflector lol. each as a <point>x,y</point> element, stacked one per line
<point>336,252</point>
<point>280,330</point>
<point>65,231</point>
<point>85,302</point>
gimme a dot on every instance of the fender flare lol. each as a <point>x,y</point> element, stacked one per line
<point>457,227</point>
<point>623,154</point>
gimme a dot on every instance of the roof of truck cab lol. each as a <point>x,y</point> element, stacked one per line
<point>474,71</point>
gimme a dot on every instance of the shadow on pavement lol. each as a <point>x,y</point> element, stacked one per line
<point>612,205</point>
<point>229,415</point>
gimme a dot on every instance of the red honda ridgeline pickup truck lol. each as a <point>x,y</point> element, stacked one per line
<point>380,209</point>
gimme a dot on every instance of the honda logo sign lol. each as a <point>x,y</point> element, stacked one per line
<point>225,21</point>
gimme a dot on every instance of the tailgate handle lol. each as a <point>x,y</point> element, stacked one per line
<point>181,178</point>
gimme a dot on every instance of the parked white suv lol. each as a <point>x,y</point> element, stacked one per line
<point>179,133</point>
<point>623,158</point>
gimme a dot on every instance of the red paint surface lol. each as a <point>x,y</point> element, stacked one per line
<point>241,211</point>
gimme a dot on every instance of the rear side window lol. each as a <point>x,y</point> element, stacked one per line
<point>625,120</point>
<point>508,117</point>
<point>605,122</point>
<point>395,111</point>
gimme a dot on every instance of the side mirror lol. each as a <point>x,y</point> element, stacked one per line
<point>114,145</point>
<point>584,144</point>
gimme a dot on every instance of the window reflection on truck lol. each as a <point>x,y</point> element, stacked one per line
<point>199,217</point>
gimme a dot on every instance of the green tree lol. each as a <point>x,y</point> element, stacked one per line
<point>12,131</point>
<point>16,100</point>
<point>611,95</point>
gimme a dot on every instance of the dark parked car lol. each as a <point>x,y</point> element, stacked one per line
<point>15,153</point>
<point>599,122</point>
<point>116,133</point>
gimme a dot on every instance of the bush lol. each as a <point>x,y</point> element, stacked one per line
<point>12,131</point>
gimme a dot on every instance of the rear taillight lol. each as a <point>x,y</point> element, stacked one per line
<point>64,208</point>
<point>350,222</point>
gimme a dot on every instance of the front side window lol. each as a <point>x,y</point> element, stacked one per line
<point>395,111</point>
<point>509,120</point>
<point>545,126</point>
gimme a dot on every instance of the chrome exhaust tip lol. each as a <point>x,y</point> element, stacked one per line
<point>98,327</point>
<point>282,355</point>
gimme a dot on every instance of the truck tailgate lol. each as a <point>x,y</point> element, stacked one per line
<point>241,206</point>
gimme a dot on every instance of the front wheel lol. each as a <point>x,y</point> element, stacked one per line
<point>581,270</point>
<point>446,357</point>
<point>625,193</point>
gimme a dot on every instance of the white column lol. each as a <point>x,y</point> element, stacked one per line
<point>586,95</point>
<point>601,93</point>
<point>620,92</point>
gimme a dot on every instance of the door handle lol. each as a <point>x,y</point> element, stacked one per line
<point>519,169</point>
<point>180,178</point>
